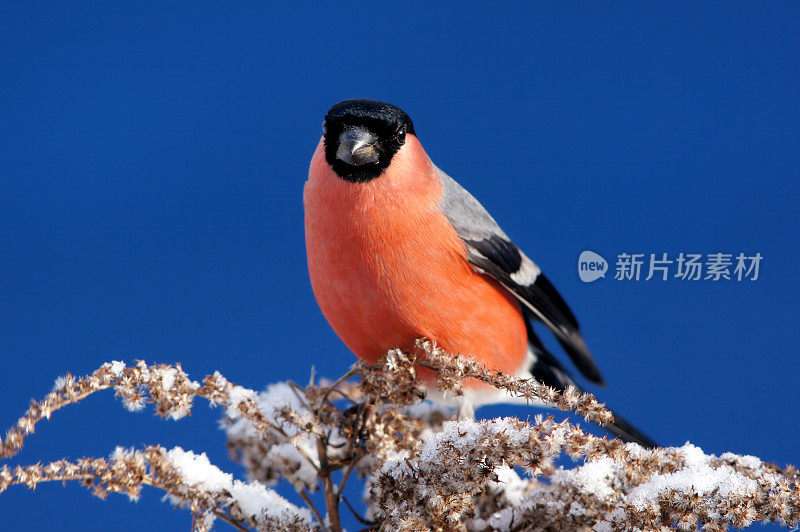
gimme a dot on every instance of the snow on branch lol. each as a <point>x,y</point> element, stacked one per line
<point>423,469</point>
<point>189,480</point>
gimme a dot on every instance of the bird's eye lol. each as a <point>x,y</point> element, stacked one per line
<point>324,128</point>
<point>401,135</point>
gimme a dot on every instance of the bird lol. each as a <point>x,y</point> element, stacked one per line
<point>397,250</point>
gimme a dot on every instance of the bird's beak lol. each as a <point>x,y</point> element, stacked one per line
<point>357,147</point>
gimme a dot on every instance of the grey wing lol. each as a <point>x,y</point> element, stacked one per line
<point>491,252</point>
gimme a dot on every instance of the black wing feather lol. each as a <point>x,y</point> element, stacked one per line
<point>500,251</point>
<point>495,259</point>
<point>494,254</point>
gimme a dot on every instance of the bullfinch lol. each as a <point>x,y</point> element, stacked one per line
<point>397,251</point>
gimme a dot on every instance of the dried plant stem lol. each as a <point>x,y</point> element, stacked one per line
<point>281,432</point>
<point>52,402</point>
<point>230,521</point>
<point>328,488</point>
<point>424,470</point>
<point>453,369</point>
<point>140,468</point>
<point>307,499</point>
<point>352,372</point>
<point>345,475</point>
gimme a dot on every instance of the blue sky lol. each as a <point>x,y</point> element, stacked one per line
<point>153,158</point>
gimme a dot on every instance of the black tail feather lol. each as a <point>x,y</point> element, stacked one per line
<point>627,432</point>
<point>548,370</point>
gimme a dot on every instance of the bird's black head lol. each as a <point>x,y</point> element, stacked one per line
<point>362,136</point>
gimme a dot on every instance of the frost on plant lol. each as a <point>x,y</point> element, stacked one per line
<point>422,469</point>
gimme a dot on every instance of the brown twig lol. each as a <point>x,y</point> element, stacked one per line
<point>230,521</point>
<point>311,506</point>
<point>346,474</point>
<point>355,514</point>
<point>331,498</point>
<point>352,372</point>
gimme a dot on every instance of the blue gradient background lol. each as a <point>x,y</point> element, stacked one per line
<point>152,159</point>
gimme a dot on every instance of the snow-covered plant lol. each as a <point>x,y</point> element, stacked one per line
<point>423,469</point>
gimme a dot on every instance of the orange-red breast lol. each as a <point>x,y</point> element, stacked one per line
<point>397,250</point>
